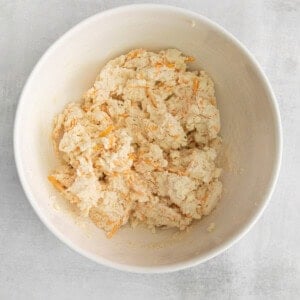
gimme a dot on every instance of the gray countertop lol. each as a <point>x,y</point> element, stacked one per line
<point>265,264</point>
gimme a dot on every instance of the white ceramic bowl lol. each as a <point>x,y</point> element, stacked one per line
<point>250,129</point>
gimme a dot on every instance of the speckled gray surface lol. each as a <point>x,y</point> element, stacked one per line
<point>265,264</point>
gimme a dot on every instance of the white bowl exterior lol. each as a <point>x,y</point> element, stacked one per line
<point>250,129</point>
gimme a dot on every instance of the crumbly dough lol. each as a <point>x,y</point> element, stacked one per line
<point>142,144</point>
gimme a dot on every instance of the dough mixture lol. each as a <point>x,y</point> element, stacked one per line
<point>142,144</point>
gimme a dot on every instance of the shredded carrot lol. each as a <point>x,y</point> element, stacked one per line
<point>176,136</point>
<point>111,141</point>
<point>195,85</point>
<point>148,161</point>
<point>189,59</point>
<point>203,200</point>
<point>98,147</point>
<point>109,222</point>
<point>126,172</point>
<point>123,115</point>
<point>114,174</point>
<point>114,229</point>
<point>169,65</point>
<point>104,107</point>
<point>158,65</point>
<point>179,172</point>
<point>85,108</point>
<point>72,124</point>
<point>137,86</point>
<point>131,55</point>
<point>106,131</point>
<point>56,183</point>
<point>213,101</point>
<point>132,156</point>
<point>127,200</point>
<point>153,127</point>
<point>134,53</point>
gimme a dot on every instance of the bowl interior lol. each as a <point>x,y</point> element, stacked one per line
<point>249,131</point>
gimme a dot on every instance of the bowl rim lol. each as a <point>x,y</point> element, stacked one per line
<point>214,251</point>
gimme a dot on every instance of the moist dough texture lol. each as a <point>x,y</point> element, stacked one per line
<point>141,145</point>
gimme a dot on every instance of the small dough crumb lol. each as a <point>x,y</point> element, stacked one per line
<point>211,227</point>
<point>141,146</point>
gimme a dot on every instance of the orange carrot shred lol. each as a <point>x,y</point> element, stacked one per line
<point>189,59</point>
<point>195,85</point>
<point>114,230</point>
<point>56,183</point>
<point>170,65</point>
<point>107,131</point>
